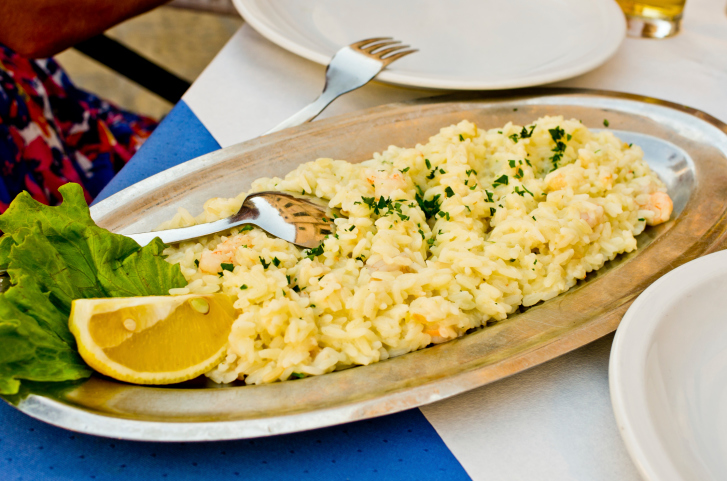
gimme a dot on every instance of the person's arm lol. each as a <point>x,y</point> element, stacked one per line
<point>41,28</point>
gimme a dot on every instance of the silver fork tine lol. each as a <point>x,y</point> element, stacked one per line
<point>397,56</point>
<point>350,68</point>
<point>368,41</point>
<point>381,53</point>
<point>370,49</point>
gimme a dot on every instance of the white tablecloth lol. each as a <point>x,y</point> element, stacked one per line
<point>553,422</point>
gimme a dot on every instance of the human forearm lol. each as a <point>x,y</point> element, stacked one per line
<point>41,28</point>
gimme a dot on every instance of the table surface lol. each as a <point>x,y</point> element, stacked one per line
<point>552,422</point>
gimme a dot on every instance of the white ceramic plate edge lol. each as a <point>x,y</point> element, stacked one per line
<point>632,341</point>
<point>619,33</point>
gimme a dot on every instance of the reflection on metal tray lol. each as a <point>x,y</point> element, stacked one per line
<point>687,148</point>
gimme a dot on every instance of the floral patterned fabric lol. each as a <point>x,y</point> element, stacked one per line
<point>52,133</point>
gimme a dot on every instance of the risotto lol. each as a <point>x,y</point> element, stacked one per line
<point>433,241</point>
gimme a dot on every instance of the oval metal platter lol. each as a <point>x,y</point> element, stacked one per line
<point>687,148</point>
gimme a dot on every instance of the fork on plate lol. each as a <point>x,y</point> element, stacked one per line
<point>350,68</point>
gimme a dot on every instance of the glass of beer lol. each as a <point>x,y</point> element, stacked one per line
<point>653,18</point>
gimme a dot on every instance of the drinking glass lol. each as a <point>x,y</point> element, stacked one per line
<point>653,18</point>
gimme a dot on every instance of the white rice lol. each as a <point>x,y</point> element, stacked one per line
<point>390,284</point>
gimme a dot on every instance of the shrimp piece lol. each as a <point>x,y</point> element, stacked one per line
<point>593,217</point>
<point>211,261</point>
<point>385,183</point>
<point>556,182</point>
<point>661,205</point>
<point>434,333</point>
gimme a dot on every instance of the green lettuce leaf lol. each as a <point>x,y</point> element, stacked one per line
<point>53,256</point>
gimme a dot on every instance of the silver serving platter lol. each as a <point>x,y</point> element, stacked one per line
<point>687,148</point>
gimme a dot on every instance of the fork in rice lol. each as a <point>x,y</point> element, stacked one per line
<point>350,68</point>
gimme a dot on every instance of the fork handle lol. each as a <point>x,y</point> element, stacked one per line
<point>308,113</point>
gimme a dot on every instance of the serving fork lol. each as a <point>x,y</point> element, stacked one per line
<point>350,68</point>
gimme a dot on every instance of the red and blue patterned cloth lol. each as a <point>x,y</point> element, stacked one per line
<point>52,133</point>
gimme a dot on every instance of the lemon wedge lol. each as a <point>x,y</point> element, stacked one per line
<point>153,340</point>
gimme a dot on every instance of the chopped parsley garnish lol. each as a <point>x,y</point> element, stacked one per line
<point>471,171</point>
<point>502,180</point>
<point>568,137</point>
<point>449,192</point>
<point>525,134</point>
<point>276,261</point>
<point>312,305</point>
<point>641,219</point>
<point>361,258</point>
<point>265,264</point>
<point>534,218</point>
<point>429,165</point>
<point>557,134</point>
<point>196,262</point>
<point>432,174</point>
<point>404,171</point>
<point>522,192</point>
<point>519,174</point>
<point>351,228</point>
<point>227,267</point>
<point>528,162</point>
<point>489,196</point>
<point>473,187</point>
<point>429,207</point>
<point>605,122</point>
<point>630,145</point>
<point>247,227</point>
<point>513,137</point>
<point>316,251</point>
<point>512,163</point>
<point>492,211</point>
<point>243,287</point>
<point>297,375</point>
<point>461,139</point>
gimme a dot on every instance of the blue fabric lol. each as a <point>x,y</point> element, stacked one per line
<point>401,446</point>
<point>178,138</point>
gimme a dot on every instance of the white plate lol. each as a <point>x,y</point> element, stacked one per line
<point>668,374</point>
<point>463,44</point>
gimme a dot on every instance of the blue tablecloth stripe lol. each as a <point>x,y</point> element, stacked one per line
<point>178,138</point>
<point>401,446</point>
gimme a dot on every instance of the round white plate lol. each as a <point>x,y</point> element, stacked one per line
<point>463,44</point>
<point>668,374</point>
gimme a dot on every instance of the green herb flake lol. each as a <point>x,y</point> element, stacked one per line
<point>512,163</point>
<point>449,192</point>
<point>429,164</point>
<point>405,170</point>
<point>605,122</point>
<point>502,180</point>
<point>243,287</point>
<point>248,227</point>
<point>492,211</point>
<point>642,219</point>
<point>227,266</point>
<point>525,134</point>
<point>461,139</point>
<point>196,262</point>
<point>316,251</point>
